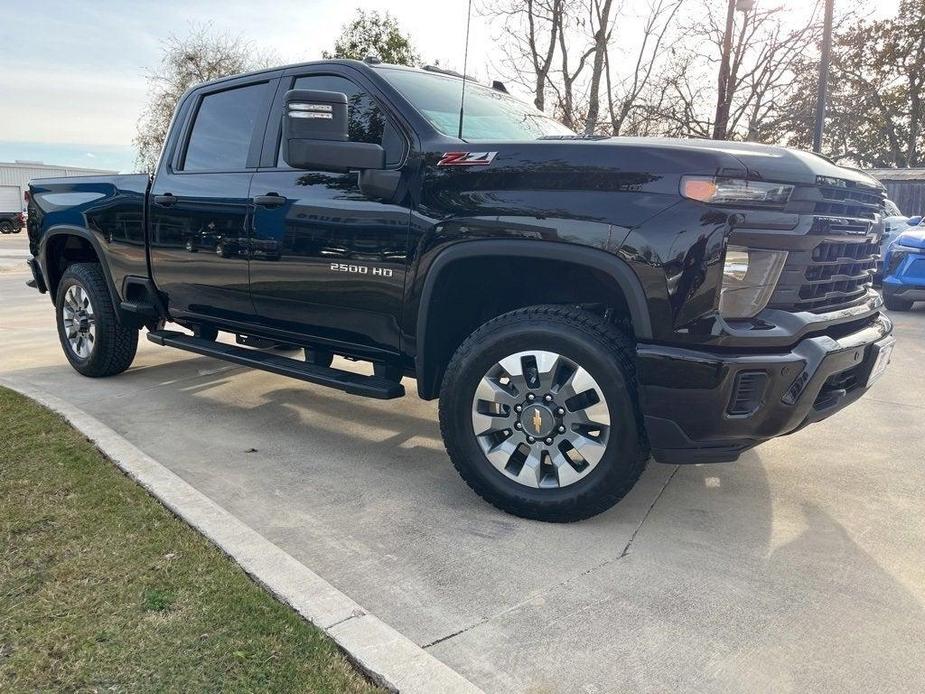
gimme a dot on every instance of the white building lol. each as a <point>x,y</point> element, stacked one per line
<point>15,177</point>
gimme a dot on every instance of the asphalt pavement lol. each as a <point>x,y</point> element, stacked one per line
<point>801,567</point>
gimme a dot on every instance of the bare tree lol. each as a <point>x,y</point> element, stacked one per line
<point>531,31</point>
<point>626,96</point>
<point>564,48</point>
<point>569,73</point>
<point>601,16</point>
<point>199,56</point>
<point>650,67</point>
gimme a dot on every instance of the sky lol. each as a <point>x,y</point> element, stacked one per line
<point>72,74</point>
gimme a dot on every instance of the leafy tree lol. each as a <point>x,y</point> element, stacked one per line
<point>876,111</point>
<point>372,33</point>
<point>198,57</point>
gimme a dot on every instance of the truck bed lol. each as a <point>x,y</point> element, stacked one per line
<point>107,211</point>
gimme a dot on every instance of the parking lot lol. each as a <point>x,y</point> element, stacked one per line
<point>802,567</point>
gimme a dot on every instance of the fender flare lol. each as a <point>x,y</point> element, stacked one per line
<point>608,263</point>
<point>88,236</point>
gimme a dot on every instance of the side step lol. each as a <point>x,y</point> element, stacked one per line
<point>142,308</point>
<point>355,384</point>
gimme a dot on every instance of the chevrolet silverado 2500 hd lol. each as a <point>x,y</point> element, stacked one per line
<point>578,304</point>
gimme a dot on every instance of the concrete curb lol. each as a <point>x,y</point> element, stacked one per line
<point>388,657</point>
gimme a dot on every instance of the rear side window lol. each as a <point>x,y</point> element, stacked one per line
<point>221,135</point>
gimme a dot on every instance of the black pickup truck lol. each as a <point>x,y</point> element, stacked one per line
<point>579,305</point>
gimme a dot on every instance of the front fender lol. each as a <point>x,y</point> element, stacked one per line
<point>428,368</point>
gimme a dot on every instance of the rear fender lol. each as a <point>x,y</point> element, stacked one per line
<point>51,275</point>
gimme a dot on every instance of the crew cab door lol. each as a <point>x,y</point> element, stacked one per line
<point>329,263</point>
<point>199,209</point>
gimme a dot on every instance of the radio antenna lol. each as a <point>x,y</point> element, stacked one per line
<point>462,98</point>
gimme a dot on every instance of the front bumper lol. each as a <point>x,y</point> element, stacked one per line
<point>704,407</point>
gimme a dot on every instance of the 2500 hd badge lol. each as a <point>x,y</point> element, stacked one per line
<point>362,269</point>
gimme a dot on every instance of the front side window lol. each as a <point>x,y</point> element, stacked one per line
<point>489,114</point>
<point>221,134</point>
<point>366,120</point>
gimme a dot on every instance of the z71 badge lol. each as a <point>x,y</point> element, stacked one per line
<point>466,159</point>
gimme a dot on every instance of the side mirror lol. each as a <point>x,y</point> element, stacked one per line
<point>315,134</point>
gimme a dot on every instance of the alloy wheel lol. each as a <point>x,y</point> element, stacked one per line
<point>79,321</point>
<point>541,419</point>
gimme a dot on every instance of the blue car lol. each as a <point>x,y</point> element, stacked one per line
<point>904,270</point>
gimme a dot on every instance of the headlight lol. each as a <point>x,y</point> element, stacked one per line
<point>734,191</point>
<point>749,279</point>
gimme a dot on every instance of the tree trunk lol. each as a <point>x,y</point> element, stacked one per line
<point>597,67</point>
<point>721,120</point>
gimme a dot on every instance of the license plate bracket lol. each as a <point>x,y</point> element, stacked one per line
<point>883,353</point>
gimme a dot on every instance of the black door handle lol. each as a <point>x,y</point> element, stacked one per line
<point>165,200</point>
<point>269,200</point>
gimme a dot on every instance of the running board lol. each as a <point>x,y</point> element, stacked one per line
<point>347,381</point>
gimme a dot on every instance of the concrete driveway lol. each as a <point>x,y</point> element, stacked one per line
<point>800,568</point>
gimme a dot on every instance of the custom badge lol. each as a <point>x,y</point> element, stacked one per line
<point>466,158</point>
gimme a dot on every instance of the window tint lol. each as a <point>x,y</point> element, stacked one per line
<point>367,122</point>
<point>221,134</point>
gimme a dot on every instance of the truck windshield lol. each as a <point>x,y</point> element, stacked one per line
<point>490,114</point>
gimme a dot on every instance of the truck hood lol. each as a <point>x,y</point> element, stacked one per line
<point>753,160</point>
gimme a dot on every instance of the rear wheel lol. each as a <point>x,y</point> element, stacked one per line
<point>94,341</point>
<point>895,304</point>
<point>538,413</point>
<point>6,228</point>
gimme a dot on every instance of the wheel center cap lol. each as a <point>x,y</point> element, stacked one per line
<point>538,420</point>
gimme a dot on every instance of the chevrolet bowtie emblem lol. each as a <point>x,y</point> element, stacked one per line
<point>537,421</point>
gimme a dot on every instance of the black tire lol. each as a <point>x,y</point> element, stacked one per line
<point>114,345</point>
<point>590,342</point>
<point>6,228</point>
<point>895,304</point>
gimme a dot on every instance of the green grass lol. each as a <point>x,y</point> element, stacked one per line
<point>103,589</point>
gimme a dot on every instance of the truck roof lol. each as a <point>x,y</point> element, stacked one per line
<point>358,64</point>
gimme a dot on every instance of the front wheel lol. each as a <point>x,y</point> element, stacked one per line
<point>6,228</point>
<point>538,412</point>
<point>94,341</point>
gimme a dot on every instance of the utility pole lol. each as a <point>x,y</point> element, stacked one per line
<point>721,119</point>
<point>822,91</point>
